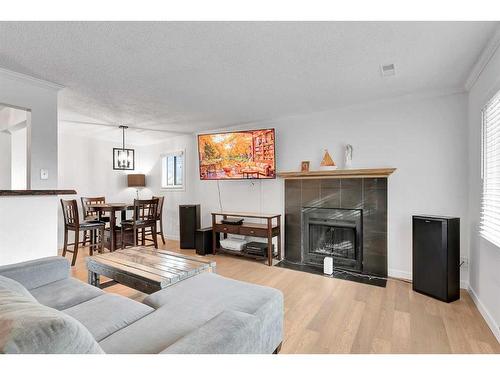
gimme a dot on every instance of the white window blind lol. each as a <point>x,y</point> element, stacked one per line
<point>173,171</point>
<point>490,201</point>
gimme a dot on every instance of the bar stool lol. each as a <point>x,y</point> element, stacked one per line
<point>145,217</point>
<point>159,216</point>
<point>72,223</point>
<point>90,215</point>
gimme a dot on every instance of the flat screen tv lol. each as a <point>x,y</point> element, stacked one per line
<point>245,154</point>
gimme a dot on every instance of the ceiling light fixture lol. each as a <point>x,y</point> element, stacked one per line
<point>123,158</point>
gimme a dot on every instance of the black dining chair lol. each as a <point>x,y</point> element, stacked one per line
<point>90,215</point>
<point>144,217</point>
<point>72,223</point>
<point>159,216</point>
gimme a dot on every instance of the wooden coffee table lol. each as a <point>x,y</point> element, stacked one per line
<point>145,269</point>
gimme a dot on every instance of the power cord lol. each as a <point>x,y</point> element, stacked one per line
<point>220,200</point>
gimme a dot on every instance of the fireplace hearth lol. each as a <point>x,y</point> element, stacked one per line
<point>333,232</point>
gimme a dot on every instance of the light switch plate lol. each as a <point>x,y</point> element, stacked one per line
<point>44,174</point>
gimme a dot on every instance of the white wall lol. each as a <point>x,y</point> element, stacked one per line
<point>425,138</point>
<point>19,158</point>
<point>41,98</point>
<point>14,148</point>
<point>484,256</point>
<point>25,237</point>
<point>152,166</point>
<point>37,237</point>
<point>86,165</point>
<point>5,161</point>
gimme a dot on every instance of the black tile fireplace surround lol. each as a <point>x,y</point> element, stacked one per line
<point>345,218</point>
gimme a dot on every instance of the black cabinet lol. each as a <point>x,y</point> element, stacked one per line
<point>436,257</point>
<point>189,222</point>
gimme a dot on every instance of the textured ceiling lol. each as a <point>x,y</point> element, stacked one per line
<point>189,76</point>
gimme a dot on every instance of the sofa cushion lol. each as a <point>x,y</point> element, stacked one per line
<point>230,332</point>
<point>14,286</point>
<point>29,327</point>
<point>190,304</point>
<point>222,293</point>
<point>35,273</point>
<point>65,293</point>
<point>107,314</point>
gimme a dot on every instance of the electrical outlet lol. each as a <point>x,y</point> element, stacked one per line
<point>44,174</point>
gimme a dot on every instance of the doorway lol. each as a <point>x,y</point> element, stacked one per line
<point>15,139</point>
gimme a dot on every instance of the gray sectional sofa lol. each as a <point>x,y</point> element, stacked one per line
<point>44,310</point>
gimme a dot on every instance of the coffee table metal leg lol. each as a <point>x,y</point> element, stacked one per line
<point>94,279</point>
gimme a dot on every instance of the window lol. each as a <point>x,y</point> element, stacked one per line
<point>490,171</point>
<point>172,171</point>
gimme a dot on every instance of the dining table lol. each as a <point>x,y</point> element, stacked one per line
<point>112,209</point>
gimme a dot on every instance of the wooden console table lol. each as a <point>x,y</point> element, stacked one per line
<point>268,230</point>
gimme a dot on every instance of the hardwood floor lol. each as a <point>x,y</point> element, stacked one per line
<point>325,315</point>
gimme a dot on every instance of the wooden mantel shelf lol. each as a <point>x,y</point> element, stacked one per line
<point>18,193</point>
<point>339,173</point>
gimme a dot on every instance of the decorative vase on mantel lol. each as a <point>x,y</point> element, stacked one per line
<point>348,156</point>
<point>327,164</point>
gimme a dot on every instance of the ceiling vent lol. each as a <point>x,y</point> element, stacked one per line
<point>387,70</point>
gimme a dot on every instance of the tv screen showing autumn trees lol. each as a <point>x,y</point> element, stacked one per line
<point>237,155</point>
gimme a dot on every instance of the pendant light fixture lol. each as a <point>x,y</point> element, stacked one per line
<point>123,158</point>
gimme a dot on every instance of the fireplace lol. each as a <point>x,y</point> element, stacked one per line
<point>333,232</point>
<point>347,219</point>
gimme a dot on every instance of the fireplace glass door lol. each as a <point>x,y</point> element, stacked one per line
<point>332,232</point>
<point>330,240</point>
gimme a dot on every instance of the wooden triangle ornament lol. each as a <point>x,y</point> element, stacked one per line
<point>327,160</point>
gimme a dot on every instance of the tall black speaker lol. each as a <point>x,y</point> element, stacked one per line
<point>436,257</point>
<point>189,221</point>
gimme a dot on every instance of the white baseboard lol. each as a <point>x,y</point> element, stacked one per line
<point>398,274</point>
<point>174,237</point>
<point>485,313</point>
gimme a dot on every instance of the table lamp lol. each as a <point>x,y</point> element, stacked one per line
<point>137,181</point>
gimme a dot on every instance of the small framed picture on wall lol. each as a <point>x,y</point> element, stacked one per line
<point>304,166</point>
